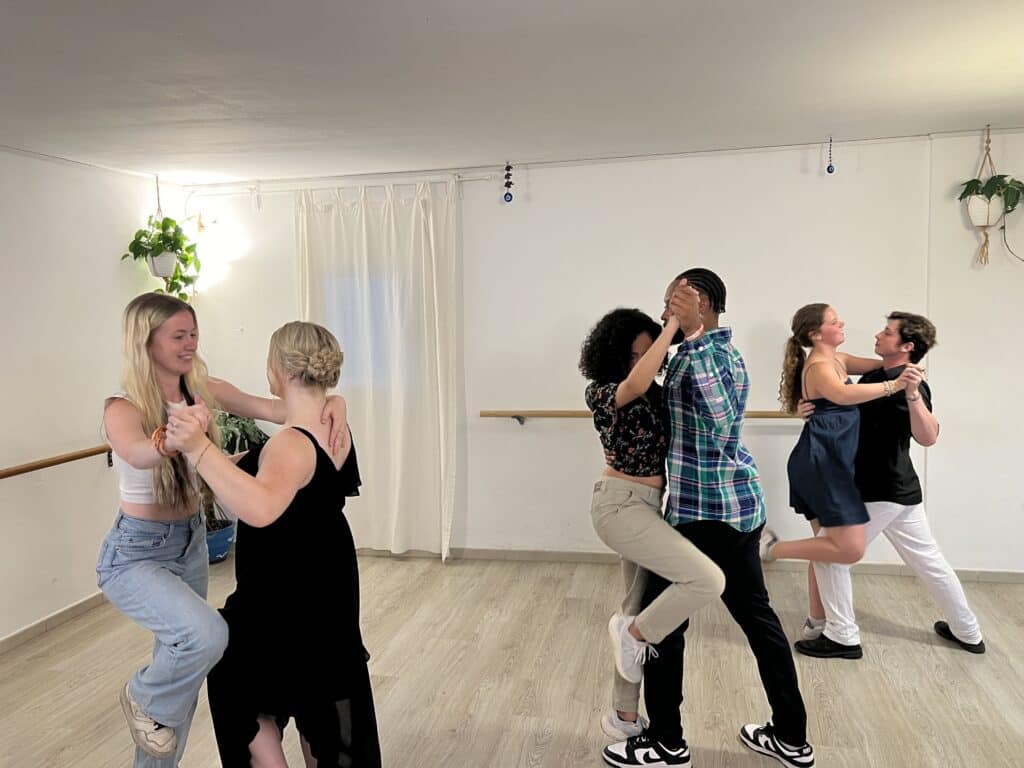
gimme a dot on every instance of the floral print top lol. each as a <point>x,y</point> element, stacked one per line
<point>637,434</point>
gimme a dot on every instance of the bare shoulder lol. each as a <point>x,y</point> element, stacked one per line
<point>120,410</point>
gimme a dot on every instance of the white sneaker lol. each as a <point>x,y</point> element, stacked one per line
<point>812,628</point>
<point>768,541</point>
<point>620,729</point>
<point>154,739</point>
<point>630,653</point>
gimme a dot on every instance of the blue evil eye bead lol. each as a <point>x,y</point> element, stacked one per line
<point>507,197</point>
<point>831,168</point>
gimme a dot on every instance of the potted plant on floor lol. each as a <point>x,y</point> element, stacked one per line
<point>169,254</point>
<point>237,434</point>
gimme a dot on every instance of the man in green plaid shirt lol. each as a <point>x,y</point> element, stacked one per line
<point>715,501</point>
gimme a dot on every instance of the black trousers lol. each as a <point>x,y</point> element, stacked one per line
<point>746,598</point>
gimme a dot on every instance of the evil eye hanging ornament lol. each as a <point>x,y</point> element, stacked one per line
<point>507,197</point>
<point>830,168</point>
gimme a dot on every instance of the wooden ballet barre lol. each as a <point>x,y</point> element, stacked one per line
<point>522,415</point>
<point>53,461</point>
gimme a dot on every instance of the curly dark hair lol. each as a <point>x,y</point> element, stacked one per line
<point>608,348</point>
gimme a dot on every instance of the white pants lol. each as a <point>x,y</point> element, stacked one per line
<point>907,529</point>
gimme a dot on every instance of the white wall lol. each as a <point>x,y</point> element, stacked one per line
<point>64,229</point>
<point>975,486</point>
<point>249,287</point>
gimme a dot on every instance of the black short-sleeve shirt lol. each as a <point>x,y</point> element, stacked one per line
<point>884,471</point>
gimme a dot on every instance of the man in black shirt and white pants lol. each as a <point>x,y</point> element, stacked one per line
<point>892,493</point>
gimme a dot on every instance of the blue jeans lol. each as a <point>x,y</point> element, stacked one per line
<point>156,574</point>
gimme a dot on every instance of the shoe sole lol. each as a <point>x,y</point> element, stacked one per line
<point>618,764</point>
<point>126,707</point>
<point>617,653</point>
<point>766,752</point>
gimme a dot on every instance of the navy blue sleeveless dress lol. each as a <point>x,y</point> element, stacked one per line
<point>294,645</point>
<point>821,466</point>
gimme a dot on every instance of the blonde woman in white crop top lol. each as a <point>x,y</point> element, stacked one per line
<point>153,565</point>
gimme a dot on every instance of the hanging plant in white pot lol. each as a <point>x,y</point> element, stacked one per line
<point>989,201</point>
<point>168,253</point>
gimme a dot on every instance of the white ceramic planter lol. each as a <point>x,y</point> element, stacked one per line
<point>984,213</point>
<point>162,265</point>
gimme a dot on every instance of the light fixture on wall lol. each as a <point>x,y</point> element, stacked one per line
<point>988,202</point>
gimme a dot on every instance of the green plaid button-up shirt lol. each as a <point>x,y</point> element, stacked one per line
<point>711,474</point>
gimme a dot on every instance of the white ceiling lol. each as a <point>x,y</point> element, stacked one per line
<point>246,89</point>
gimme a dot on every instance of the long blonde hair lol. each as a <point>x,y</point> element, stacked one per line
<point>172,480</point>
<point>806,321</point>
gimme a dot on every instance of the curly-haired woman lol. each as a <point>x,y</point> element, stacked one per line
<point>621,357</point>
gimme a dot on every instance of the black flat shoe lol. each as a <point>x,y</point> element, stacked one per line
<point>823,648</point>
<point>942,630</point>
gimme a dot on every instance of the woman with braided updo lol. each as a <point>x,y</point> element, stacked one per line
<point>821,466</point>
<point>295,649</point>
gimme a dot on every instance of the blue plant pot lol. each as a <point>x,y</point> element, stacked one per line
<point>219,542</point>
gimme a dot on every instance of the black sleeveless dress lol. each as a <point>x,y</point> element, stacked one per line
<point>294,645</point>
<point>821,466</point>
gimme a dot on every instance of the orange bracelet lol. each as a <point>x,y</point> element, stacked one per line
<point>158,438</point>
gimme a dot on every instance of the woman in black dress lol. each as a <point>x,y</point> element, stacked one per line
<point>821,466</point>
<point>294,649</point>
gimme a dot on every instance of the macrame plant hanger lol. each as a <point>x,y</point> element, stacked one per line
<point>987,159</point>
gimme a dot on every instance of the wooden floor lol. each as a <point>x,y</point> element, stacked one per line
<point>488,663</point>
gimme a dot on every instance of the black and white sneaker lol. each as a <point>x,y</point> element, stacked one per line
<point>643,750</point>
<point>761,738</point>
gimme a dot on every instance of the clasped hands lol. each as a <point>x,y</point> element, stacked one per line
<point>186,427</point>
<point>684,304</point>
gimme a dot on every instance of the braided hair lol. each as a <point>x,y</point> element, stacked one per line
<point>708,283</point>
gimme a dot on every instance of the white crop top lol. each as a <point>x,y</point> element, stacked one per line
<point>136,485</point>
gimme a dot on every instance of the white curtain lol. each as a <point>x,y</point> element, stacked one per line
<point>377,267</point>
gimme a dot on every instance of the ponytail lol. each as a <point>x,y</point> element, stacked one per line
<point>790,388</point>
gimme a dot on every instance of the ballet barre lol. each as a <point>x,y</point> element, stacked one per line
<point>53,461</point>
<point>520,416</point>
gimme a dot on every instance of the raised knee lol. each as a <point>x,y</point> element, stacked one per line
<point>211,638</point>
<point>851,554</point>
<point>714,583</point>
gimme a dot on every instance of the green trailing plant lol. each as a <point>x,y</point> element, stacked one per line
<point>164,235</point>
<point>1008,189</point>
<point>237,434</point>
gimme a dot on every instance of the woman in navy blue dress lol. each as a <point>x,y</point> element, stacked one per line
<point>821,466</point>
